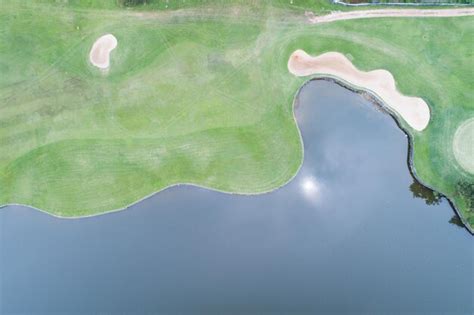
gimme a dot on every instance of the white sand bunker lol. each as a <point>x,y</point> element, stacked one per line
<point>413,110</point>
<point>463,145</point>
<point>100,52</point>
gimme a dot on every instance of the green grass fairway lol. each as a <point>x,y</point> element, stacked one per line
<point>201,95</point>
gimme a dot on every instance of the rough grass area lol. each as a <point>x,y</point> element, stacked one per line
<point>200,96</point>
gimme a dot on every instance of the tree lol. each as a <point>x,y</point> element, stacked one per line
<point>466,190</point>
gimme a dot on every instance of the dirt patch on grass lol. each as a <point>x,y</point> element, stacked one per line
<point>413,110</point>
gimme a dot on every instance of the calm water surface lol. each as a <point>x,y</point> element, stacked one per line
<point>345,236</point>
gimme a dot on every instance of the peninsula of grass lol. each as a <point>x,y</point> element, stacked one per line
<point>201,95</point>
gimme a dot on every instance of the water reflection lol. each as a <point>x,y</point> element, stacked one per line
<point>430,196</point>
<point>456,221</point>
<point>311,188</point>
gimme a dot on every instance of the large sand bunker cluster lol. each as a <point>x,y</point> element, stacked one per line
<point>99,55</point>
<point>463,145</point>
<point>413,110</point>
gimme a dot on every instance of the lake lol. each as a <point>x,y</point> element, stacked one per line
<point>346,235</point>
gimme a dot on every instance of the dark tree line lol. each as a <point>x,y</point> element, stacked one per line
<point>131,3</point>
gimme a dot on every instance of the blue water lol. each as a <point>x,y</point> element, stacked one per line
<point>346,236</point>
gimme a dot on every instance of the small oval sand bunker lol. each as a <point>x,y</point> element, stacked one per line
<point>99,55</point>
<point>463,145</point>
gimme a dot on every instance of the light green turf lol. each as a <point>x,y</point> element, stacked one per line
<point>199,96</point>
<point>463,145</point>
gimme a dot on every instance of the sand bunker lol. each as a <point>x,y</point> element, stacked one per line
<point>100,52</point>
<point>413,110</point>
<point>463,145</point>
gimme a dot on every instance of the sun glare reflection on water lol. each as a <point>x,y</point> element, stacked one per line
<point>310,188</point>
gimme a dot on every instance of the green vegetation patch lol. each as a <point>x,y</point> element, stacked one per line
<point>201,95</point>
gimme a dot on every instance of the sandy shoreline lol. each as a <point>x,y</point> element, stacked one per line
<point>413,110</point>
<point>365,14</point>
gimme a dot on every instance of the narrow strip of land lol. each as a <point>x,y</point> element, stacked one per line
<point>365,14</point>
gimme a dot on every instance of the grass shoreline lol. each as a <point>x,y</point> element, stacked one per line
<point>373,99</point>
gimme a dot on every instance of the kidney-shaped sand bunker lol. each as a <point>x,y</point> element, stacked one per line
<point>99,55</point>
